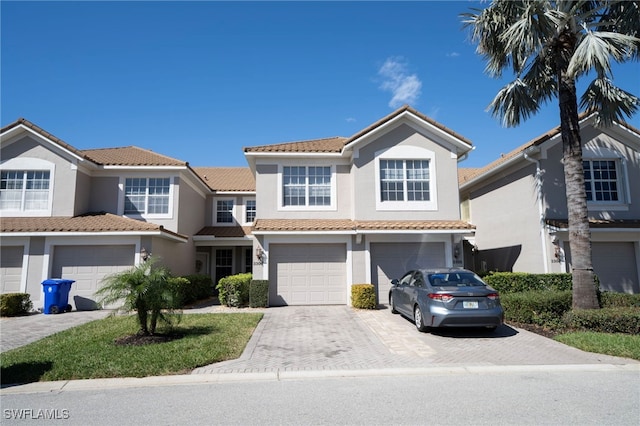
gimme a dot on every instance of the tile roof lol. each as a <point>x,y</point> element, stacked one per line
<point>597,223</point>
<point>42,132</point>
<point>227,178</point>
<point>130,156</point>
<point>337,143</point>
<point>225,231</point>
<point>90,222</point>
<point>292,225</point>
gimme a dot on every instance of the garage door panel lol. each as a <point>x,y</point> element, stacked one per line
<point>11,268</point>
<point>87,266</point>
<point>616,267</point>
<point>392,260</point>
<point>307,274</point>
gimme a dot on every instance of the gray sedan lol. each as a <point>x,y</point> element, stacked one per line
<point>446,298</point>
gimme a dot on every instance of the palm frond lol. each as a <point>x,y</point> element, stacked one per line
<point>595,51</point>
<point>611,102</point>
<point>513,104</point>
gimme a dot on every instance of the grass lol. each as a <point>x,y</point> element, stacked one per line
<point>622,345</point>
<point>89,351</point>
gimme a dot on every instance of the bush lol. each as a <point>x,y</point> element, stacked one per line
<point>259,293</point>
<point>605,320</point>
<point>234,290</point>
<point>363,296</point>
<point>534,307</point>
<point>14,304</point>
<point>609,299</point>
<point>515,282</point>
<point>192,288</point>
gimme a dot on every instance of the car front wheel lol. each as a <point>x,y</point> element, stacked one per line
<point>419,321</point>
<point>392,303</point>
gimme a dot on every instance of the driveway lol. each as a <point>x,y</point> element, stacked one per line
<point>313,338</point>
<point>316,338</point>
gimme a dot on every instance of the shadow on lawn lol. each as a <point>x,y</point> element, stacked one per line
<point>24,372</point>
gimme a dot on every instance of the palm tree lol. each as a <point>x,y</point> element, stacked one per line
<point>145,289</point>
<point>548,45</point>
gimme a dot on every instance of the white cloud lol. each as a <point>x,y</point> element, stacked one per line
<point>452,55</point>
<point>351,120</point>
<point>404,87</point>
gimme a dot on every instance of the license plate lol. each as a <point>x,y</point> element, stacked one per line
<point>473,304</point>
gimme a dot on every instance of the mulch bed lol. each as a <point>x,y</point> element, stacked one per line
<point>546,332</point>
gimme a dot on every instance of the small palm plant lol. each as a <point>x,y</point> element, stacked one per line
<point>145,288</point>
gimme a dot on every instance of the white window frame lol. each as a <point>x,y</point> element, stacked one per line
<point>332,197</point>
<point>234,220</point>
<point>404,153</point>
<point>24,164</point>
<point>146,215</point>
<point>624,195</point>
<point>246,210</point>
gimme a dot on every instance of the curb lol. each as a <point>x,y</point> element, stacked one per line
<point>282,375</point>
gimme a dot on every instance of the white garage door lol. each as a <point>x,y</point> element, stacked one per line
<point>87,266</point>
<point>310,274</point>
<point>392,260</point>
<point>11,268</point>
<point>615,265</point>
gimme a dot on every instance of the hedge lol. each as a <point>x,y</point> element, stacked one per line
<point>14,304</point>
<point>515,282</point>
<point>605,320</point>
<point>259,293</point>
<point>363,296</point>
<point>234,290</point>
<point>610,299</point>
<point>535,307</point>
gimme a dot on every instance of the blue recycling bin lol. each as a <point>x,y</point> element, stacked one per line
<point>56,295</point>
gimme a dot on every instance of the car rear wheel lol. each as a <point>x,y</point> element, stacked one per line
<point>392,303</point>
<point>417,318</point>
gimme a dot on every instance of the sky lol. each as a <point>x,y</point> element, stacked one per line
<point>198,81</point>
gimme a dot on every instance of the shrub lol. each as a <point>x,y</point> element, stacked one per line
<point>192,288</point>
<point>610,299</point>
<point>605,320</point>
<point>259,293</point>
<point>14,304</point>
<point>514,282</point>
<point>363,296</point>
<point>234,290</point>
<point>534,307</point>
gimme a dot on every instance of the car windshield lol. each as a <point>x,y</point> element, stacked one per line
<point>455,279</point>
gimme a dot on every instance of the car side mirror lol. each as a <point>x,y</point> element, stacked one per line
<point>394,281</point>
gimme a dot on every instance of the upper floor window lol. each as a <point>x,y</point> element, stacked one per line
<point>250,211</point>
<point>601,181</point>
<point>405,179</point>
<point>224,211</point>
<point>306,186</point>
<point>25,190</point>
<point>147,195</point>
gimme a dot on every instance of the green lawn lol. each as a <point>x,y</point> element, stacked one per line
<point>622,345</point>
<point>89,351</point>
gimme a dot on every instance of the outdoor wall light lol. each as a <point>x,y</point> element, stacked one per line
<point>260,254</point>
<point>456,252</point>
<point>144,255</point>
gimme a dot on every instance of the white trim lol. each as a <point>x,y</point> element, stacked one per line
<point>243,210</point>
<point>234,212</point>
<point>121,195</point>
<point>333,184</point>
<point>27,164</point>
<point>9,138</point>
<point>405,153</point>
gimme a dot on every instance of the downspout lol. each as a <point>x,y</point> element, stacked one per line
<point>543,237</point>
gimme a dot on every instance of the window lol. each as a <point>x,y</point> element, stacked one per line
<point>147,195</point>
<point>224,211</point>
<point>404,180</point>
<point>601,180</point>
<point>250,211</point>
<point>224,263</point>
<point>306,186</point>
<point>24,190</point>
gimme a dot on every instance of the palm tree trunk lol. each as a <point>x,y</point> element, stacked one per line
<point>584,290</point>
